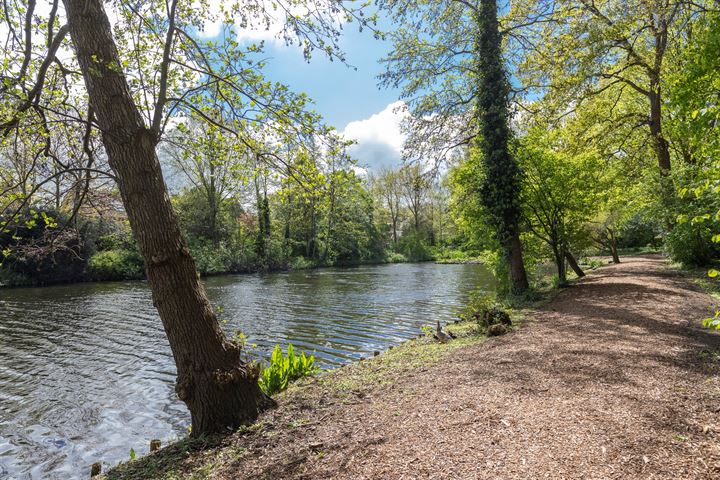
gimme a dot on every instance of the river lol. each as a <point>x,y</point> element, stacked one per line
<point>86,372</point>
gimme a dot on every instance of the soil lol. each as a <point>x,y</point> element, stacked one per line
<point>613,378</point>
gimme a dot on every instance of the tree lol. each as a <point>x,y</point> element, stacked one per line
<point>574,50</point>
<point>220,390</point>
<point>212,163</point>
<point>448,59</point>
<point>501,187</point>
<point>560,196</point>
<point>387,186</point>
<point>132,95</point>
<point>415,187</point>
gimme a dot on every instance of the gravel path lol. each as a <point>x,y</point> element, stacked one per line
<point>612,379</point>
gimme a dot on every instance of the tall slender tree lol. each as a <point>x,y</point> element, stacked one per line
<point>220,390</point>
<point>501,186</point>
<point>455,84</point>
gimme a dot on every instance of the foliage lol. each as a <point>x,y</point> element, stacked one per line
<point>695,93</point>
<point>414,248</point>
<point>560,195</point>
<point>395,257</point>
<point>116,265</point>
<point>500,188</point>
<point>32,247</point>
<point>690,242</point>
<point>640,230</point>
<point>485,310</point>
<point>284,369</point>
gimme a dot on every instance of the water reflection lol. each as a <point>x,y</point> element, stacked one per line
<point>86,372</point>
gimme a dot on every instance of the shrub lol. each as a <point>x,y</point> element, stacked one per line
<point>38,245</point>
<point>301,263</point>
<point>395,257</point>
<point>414,247</point>
<point>8,278</point>
<point>116,265</point>
<point>690,244</point>
<point>484,309</point>
<point>284,369</point>
<point>640,230</point>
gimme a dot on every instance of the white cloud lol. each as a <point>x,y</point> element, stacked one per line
<point>211,29</point>
<point>267,23</point>
<point>379,138</point>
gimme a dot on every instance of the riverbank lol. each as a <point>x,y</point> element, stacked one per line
<point>295,265</point>
<point>309,405</point>
<point>612,378</point>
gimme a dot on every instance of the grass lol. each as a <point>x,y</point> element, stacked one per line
<point>384,369</point>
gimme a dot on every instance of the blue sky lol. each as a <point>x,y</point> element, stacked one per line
<point>342,94</point>
<point>348,98</point>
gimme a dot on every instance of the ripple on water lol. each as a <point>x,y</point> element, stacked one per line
<point>87,373</point>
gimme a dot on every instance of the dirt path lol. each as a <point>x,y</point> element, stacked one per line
<point>612,379</point>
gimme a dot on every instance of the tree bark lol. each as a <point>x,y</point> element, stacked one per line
<point>560,263</point>
<point>518,275</point>
<point>573,264</point>
<point>613,246</point>
<point>660,143</point>
<point>220,390</point>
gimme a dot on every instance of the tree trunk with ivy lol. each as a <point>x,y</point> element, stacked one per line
<point>501,188</point>
<point>220,390</point>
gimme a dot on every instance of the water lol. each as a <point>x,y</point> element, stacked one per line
<point>86,372</point>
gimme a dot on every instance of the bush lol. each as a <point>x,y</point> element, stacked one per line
<point>395,257</point>
<point>211,259</point>
<point>116,265</point>
<point>284,369</point>
<point>414,247</point>
<point>485,310</point>
<point>639,231</point>
<point>8,278</point>
<point>301,263</point>
<point>690,244</point>
<point>40,247</point>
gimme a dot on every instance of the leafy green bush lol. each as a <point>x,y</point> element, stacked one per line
<point>395,257</point>
<point>414,247</point>
<point>484,309</point>
<point>690,243</point>
<point>284,369</point>
<point>301,263</point>
<point>640,230</point>
<point>116,265</point>
<point>211,259</point>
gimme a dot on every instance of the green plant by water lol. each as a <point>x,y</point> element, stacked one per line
<point>283,369</point>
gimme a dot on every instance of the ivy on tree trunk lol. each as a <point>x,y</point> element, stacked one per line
<point>501,186</point>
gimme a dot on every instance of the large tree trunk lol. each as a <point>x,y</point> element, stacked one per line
<point>500,187</point>
<point>219,389</point>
